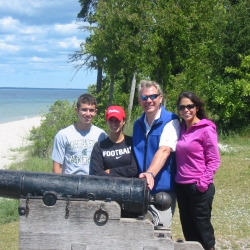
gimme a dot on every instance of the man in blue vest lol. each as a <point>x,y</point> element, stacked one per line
<point>155,135</point>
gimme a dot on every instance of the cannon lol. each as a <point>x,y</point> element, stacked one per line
<point>73,212</point>
<point>130,193</point>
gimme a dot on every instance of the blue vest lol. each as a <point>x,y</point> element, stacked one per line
<point>146,147</point>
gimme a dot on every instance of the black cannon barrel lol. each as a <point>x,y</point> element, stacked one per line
<point>130,193</point>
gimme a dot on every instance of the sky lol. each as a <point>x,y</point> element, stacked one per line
<point>36,38</point>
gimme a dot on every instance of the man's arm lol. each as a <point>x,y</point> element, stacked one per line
<point>57,168</point>
<point>156,165</point>
<point>159,159</point>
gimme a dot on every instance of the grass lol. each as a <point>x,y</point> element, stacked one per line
<point>9,236</point>
<point>32,163</point>
<point>231,207</point>
<point>8,210</point>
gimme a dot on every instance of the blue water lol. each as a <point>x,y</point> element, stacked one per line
<point>21,103</point>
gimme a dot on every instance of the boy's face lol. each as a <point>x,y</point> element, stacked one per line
<point>86,113</point>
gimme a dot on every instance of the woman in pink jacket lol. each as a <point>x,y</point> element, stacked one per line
<point>198,159</point>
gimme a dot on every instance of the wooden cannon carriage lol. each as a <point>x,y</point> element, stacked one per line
<point>76,212</point>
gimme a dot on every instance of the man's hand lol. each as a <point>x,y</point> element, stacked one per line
<point>149,178</point>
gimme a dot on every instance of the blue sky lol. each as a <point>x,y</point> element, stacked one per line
<point>36,38</point>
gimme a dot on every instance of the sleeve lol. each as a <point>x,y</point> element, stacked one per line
<point>97,161</point>
<point>126,171</point>
<point>170,134</point>
<point>212,158</point>
<point>59,149</point>
<point>102,136</point>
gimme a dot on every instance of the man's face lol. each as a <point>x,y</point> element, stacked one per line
<point>86,113</point>
<point>150,106</point>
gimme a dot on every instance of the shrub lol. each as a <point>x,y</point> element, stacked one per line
<point>61,114</point>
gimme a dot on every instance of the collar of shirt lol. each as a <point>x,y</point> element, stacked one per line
<point>148,127</point>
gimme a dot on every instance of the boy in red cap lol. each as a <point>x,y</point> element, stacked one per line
<point>114,156</point>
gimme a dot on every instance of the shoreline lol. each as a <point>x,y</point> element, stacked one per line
<point>13,136</point>
<point>20,119</point>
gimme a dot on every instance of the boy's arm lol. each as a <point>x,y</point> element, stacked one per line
<point>57,168</point>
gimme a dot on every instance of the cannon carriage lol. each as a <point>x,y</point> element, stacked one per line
<point>86,212</point>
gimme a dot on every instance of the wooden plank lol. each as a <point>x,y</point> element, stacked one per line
<point>46,228</point>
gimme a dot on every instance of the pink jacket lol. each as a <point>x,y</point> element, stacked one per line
<point>197,154</point>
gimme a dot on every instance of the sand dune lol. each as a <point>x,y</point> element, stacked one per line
<point>13,135</point>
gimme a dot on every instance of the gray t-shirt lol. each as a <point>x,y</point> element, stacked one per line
<point>72,148</point>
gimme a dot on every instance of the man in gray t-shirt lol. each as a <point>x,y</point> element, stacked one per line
<point>73,145</point>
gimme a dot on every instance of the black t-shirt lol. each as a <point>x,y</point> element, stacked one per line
<point>118,157</point>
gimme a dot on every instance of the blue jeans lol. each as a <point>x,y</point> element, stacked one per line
<point>195,213</point>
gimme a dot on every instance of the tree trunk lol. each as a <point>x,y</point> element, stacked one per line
<point>111,88</point>
<point>131,98</point>
<point>99,77</point>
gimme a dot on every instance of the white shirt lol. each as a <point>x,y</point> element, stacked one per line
<point>170,133</point>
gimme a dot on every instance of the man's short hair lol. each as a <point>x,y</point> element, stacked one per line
<point>87,99</point>
<point>148,84</point>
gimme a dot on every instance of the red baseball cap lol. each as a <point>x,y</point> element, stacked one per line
<point>115,111</point>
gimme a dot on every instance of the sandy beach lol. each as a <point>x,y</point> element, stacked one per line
<point>13,135</point>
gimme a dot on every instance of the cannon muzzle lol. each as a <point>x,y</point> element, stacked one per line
<point>130,193</point>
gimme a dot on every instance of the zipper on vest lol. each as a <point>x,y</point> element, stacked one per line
<point>145,147</point>
<point>145,155</point>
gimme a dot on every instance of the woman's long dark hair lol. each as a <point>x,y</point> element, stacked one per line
<point>201,114</point>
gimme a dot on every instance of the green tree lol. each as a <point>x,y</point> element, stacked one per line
<point>185,45</point>
<point>230,102</point>
<point>228,89</point>
<point>88,10</point>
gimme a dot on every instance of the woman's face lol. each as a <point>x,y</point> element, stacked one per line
<point>114,125</point>
<point>187,110</point>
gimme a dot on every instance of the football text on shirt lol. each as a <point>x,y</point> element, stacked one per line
<point>117,152</point>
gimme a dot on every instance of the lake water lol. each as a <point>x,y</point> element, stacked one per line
<point>21,103</point>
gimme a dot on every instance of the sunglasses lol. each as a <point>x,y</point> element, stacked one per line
<point>152,97</point>
<point>183,107</point>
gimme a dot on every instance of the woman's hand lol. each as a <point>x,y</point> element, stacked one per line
<point>107,171</point>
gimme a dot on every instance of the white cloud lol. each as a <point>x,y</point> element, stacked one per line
<point>37,36</point>
<point>10,38</point>
<point>66,28</point>
<point>26,7</point>
<point>42,10</point>
<point>9,24</point>
<point>8,47</point>
<point>37,59</point>
<point>6,69</point>
<point>30,30</point>
<point>71,42</point>
<point>39,48</point>
<point>17,6</point>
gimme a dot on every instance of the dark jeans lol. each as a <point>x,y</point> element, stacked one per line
<point>195,213</point>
